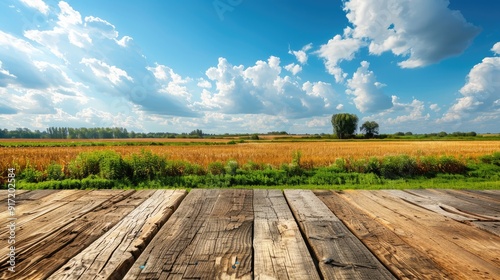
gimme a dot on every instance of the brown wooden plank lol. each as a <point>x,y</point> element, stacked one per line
<point>208,237</point>
<point>489,194</point>
<point>403,260</point>
<point>4,192</point>
<point>340,254</point>
<point>279,249</point>
<point>35,195</point>
<point>478,214</point>
<point>477,210</point>
<point>433,205</point>
<point>28,208</point>
<point>46,244</point>
<point>463,251</point>
<point>111,256</point>
<point>485,202</point>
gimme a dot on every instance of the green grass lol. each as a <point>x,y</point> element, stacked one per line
<point>108,170</point>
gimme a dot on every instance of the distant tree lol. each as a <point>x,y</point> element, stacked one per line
<point>409,133</point>
<point>472,133</point>
<point>399,133</point>
<point>196,132</point>
<point>370,128</point>
<point>344,125</point>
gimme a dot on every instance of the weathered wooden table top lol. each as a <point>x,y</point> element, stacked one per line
<point>252,234</point>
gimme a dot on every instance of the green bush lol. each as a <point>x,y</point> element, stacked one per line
<point>85,164</point>
<point>31,175</point>
<point>403,166</point>
<point>491,159</point>
<point>251,166</point>
<point>231,167</point>
<point>96,183</point>
<point>428,166</point>
<point>216,168</point>
<point>146,166</point>
<point>55,172</point>
<point>451,165</point>
<point>194,169</point>
<point>112,166</point>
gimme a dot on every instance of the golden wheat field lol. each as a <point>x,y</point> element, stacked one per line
<point>314,154</point>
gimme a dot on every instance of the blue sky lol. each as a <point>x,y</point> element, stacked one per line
<point>250,66</point>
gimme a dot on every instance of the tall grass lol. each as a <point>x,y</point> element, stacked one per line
<point>109,169</point>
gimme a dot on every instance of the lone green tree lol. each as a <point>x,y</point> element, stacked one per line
<point>344,125</point>
<point>370,128</point>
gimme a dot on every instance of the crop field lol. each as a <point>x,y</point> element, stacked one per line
<point>313,153</point>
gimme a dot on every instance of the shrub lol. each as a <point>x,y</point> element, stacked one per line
<point>85,164</point>
<point>194,169</point>
<point>491,159</point>
<point>231,167</point>
<point>31,175</point>
<point>96,183</point>
<point>175,168</point>
<point>111,166</point>
<point>216,168</point>
<point>393,167</point>
<point>451,165</point>
<point>146,166</point>
<point>428,166</point>
<point>55,172</point>
<point>250,166</point>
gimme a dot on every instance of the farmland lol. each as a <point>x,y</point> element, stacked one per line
<point>314,153</point>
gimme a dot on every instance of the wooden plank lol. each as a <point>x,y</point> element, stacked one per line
<point>463,251</point>
<point>111,256</point>
<point>403,260</point>
<point>479,209</point>
<point>35,195</point>
<point>489,194</point>
<point>340,254</point>
<point>485,202</point>
<point>279,249</point>
<point>433,205</point>
<point>28,208</point>
<point>47,243</point>
<point>479,214</point>
<point>208,237</point>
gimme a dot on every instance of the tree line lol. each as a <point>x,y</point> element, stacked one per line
<point>92,133</point>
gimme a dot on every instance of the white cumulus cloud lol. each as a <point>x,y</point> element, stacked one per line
<point>425,31</point>
<point>496,48</point>
<point>293,68</point>
<point>103,70</point>
<point>481,92</point>
<point>37,4</point>
<point>368,94</point>
<point>261,89</point>
<point>301,55</point>
<point>338,49</point>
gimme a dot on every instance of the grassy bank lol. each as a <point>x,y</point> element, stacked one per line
<point>108,169</point>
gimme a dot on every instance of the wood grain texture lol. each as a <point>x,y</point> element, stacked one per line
<point>33,204</point>
<point>463,251</point>
<point>475,209</point>
<point>403,260</point>
<point>479,208</point>
<point>279,249</point>
<point>208,237</point>
<point>340,254</point>
<point>111,256</point>
<point>48,241</point>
